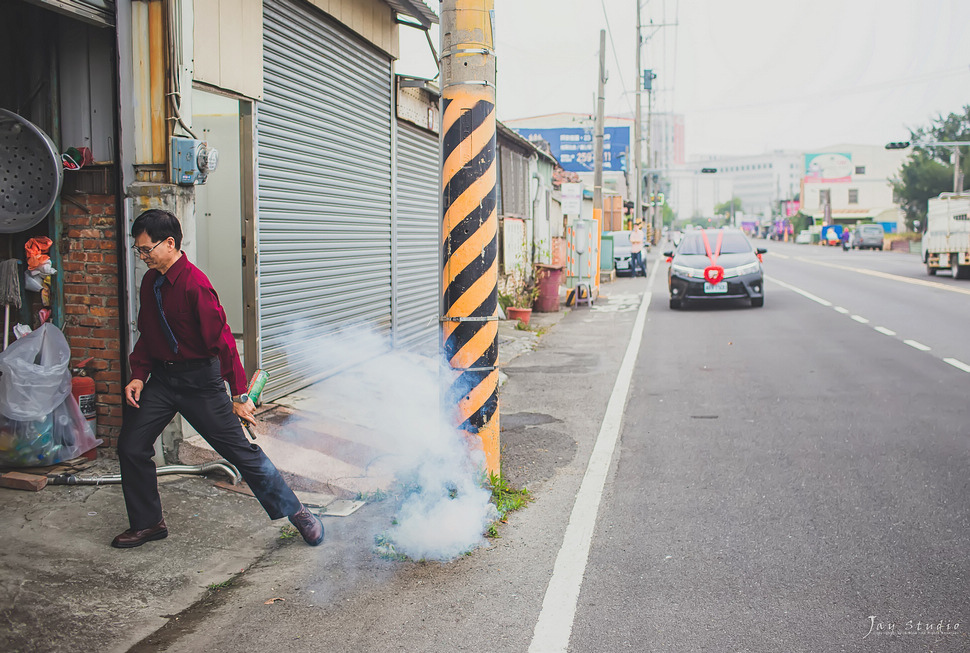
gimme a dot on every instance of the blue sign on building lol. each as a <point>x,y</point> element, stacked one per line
<point>573,146</point>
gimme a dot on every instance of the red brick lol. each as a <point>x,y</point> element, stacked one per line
<point>21,481</point>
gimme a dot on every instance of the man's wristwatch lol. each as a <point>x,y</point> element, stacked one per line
<point>241,399</point>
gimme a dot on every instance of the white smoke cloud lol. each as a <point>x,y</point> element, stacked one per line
<point>444,510</point>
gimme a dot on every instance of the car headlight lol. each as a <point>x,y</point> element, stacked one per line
<point>749,268</point>
<point>685,271</point>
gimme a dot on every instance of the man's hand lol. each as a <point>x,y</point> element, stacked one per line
<point>133,392</point>
<point>245,411</point>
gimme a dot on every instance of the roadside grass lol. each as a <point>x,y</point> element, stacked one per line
<point>506,499</point>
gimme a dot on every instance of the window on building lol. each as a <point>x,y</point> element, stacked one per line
<point>853,196</point>
<point>824,197</point>
<point>860,170</point>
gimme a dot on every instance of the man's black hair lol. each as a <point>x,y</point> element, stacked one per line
<point>159,225</point>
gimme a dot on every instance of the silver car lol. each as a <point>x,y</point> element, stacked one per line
<point>867,236</point>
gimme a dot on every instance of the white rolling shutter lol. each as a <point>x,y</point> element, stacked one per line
<point>324,195</point>
<point>418,259</point>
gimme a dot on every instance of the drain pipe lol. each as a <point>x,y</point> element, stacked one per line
<point>109,479</point>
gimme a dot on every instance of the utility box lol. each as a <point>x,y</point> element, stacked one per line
<point>192,160</point>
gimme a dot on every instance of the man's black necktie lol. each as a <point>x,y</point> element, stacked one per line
<point>172,342</point>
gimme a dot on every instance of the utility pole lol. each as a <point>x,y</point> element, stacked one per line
<point>598,134</point>
<point>637,129</point>
<point>469,223</point>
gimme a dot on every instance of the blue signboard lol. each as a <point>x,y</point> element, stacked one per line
<point>573,146</point>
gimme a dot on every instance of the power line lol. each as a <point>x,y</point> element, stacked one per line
<point>616,57</point>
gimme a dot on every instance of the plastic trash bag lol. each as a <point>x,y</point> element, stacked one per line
<point>40,422</point>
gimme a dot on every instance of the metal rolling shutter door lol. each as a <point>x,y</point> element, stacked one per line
<point>324,196</point>
<point>418,227</point>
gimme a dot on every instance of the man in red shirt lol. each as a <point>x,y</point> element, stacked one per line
<point>183,358</point>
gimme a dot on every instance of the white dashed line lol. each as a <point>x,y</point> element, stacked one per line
<point>960,365</point>
<point>803,293</point>
<point>916,345</point>
<point>957,364</point>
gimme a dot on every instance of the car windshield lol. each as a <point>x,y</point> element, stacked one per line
<point>731,243</point>
<point>621,238</point>
<point>871,229</point>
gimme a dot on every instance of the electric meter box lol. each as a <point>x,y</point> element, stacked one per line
<point>192,160</point>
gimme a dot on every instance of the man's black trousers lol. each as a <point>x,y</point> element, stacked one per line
<point>199,394</point>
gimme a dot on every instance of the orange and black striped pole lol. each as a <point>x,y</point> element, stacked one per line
<point>469,227</point>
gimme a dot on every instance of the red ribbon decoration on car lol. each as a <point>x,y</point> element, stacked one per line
<point>713,273</point>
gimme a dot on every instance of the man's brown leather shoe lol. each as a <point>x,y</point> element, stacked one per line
<point>309,525</point>
<point>130,538</point>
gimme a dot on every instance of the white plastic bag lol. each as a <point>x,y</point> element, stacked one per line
<point>40,422</point>
<point>36,378</point>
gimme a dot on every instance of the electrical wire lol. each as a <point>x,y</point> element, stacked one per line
<point>616,57</point>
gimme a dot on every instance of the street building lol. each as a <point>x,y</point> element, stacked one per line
<point>305,173</point>
<point>845,184</point>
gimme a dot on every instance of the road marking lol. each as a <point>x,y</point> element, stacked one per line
<point>803,293</point>
<point>844,311</point>
<point>555,622</point>
<point>916,345</point>
<point>957,364</point>
<point>777,255</point>
<point>887,275</point>
<point>858,318</point>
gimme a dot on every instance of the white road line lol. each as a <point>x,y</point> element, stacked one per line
<point>858,318</point>
<point>957,364</point>
<point>803,293</point>
<point>887,275</point>
<point>555,624</point>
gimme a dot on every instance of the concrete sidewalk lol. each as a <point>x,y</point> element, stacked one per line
<point>67,589</point>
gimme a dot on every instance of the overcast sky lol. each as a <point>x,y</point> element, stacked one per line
<point>749,76</point>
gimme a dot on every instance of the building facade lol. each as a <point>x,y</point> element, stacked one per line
<point>321,217</point>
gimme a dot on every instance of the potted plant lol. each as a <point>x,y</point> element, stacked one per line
<point>519,295</point>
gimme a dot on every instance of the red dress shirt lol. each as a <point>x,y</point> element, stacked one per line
<point>197,319</point>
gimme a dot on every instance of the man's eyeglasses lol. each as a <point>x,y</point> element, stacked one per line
<point>145,251</point>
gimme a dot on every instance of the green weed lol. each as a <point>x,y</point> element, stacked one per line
<point>506,499</point>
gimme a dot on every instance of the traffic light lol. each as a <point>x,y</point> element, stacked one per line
<point>708,171</point>
<point>898,145</point>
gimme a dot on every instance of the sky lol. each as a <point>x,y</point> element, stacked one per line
<point>749,76</point>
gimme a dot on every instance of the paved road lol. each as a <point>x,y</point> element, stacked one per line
<point>793,477</point>
<point>787,478</point>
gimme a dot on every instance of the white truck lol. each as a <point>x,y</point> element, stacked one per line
<point>946,241</point>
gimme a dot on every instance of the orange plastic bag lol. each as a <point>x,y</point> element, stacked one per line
<point>37,251</point>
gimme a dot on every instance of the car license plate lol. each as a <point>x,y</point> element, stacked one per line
<point>715,287</point>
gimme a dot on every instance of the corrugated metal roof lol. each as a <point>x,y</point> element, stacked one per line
<point>416,10</point>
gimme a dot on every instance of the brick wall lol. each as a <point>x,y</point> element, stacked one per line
<point>92,316</point>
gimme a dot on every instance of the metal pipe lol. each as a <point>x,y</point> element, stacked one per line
<point>110,479</point>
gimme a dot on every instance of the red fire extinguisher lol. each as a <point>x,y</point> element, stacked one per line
<point>82,387</point>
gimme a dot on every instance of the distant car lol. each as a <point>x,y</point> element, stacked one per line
<point>868,236</point>
<point>804,237</point>
<point>621,253</point>
<point>743,273</point>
